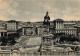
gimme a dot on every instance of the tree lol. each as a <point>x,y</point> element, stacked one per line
<point>4,41</point>
<point>11,39</point>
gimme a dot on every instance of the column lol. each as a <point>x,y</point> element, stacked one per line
<point>0,34</point>
<point>19,54</point>
<point>3,54</point>
<point>56,25</point>
<point>25,54</point>
<point>3,33</point>
<point>10,54</point>
<point>22,31</point>
<point>15,54</point>
<point>7,34</point>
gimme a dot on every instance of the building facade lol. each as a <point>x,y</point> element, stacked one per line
<point>27,30</point>
<point>3,31</point>
<point>66,28</point>
<point>12,26</point>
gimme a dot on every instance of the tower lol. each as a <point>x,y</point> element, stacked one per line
<point>46,20</point>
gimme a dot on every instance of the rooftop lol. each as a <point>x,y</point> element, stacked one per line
<point>59,20</point>
<point>12,21</point>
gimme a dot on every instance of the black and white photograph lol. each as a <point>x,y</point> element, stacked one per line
<point>39,27</point>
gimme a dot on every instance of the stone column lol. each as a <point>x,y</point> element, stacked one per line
<point>0,34</point>
<point>25,54</point>
<point>22,31</point>
<point>56,25</point>
<point>3,34</point>
<point>3,54</point>
<point>10,54</point>
<point>15,53</point>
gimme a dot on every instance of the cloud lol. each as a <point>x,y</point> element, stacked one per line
<point>3,18</point>
<point>3,6</point>
<point>36,19</point>
<point>35,10</point>
<point>7,12</point>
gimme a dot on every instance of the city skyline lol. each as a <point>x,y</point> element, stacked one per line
<point>26,10</point>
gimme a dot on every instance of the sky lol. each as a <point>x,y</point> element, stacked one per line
<point>35,10</point>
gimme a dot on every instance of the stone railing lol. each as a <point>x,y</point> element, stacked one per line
<point>17,53</point>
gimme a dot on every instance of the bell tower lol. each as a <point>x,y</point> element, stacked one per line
<point>46,20</point>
